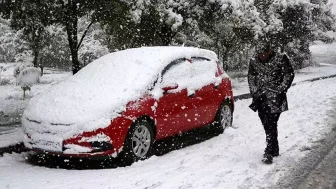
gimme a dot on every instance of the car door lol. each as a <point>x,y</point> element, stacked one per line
<point>171,112</point>
<point>206,97</point>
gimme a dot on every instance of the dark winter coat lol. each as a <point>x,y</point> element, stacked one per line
<point>269,76</point>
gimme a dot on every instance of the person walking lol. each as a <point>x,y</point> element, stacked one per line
<point>270,75</point>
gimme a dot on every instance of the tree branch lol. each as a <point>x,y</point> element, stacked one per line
<point>84,34</point>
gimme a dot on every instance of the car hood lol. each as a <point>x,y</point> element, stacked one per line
<point>99,91</point>
<point>72,102</point>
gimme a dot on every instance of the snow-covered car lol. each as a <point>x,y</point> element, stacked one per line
<point>122,102</point>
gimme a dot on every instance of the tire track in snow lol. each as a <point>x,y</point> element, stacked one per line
<point>300,175</point>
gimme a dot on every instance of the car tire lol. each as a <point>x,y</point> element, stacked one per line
<point>138,142</point>
<point>223,118</point>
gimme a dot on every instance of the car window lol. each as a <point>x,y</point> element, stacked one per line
<point>178,72</point>
<point>190,76</point>
<point>172,64</point>
<point>199,59</point>
<point>202,67</point>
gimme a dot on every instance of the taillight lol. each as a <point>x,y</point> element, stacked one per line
<point>219,70</point>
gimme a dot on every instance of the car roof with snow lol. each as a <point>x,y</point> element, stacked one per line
<point>160,55</point>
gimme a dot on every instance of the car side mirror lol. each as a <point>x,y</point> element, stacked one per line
<point>169,88</point>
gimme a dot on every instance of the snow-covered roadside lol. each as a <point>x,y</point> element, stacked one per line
<point>10,135</point>
<point>11,103</point>
<point>323,52</point>
<point>240,85</point>
<point>231,160</point>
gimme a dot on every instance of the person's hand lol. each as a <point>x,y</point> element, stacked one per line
<point>258,94</point>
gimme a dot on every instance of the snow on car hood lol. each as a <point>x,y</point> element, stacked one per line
<point>102,89</point>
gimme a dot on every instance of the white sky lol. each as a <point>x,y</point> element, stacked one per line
<point>334,6</point>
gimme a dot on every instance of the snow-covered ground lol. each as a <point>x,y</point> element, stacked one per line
<point>231,160</point>
<point>325,53</point>
<point>10,135</point>
<point>12,104</point>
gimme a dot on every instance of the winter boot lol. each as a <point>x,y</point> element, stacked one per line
<point>268,159</point>
<point>275,151</point>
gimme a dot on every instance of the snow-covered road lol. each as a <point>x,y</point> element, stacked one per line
<point>231,160</point>
<point>323,176</point>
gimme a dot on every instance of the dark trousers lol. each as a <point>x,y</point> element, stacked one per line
<point>270,123</point>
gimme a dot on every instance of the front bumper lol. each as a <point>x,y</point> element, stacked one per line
<point>95,155</point>
<point>106,141</point>
<point>80,149</point>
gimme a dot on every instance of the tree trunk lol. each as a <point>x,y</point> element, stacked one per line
<point>75,62</point>
<point>166,35</point>
<point>35,61</point>
<point>41,67</point>
<point>225,61</point>
<point>71,28</point>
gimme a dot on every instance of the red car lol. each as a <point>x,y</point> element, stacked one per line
<point>121,103</point>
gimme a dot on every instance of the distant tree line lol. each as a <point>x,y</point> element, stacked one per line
<point>62,32</point>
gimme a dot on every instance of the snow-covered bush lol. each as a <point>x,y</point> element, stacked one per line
<point>27,77</point>
<point>11,42</point>
<point>4,80</point>
<point>25,56</point>
<point>56,53</point>
<point>19,67</point>
<point>92,46</point>
<point>1,67</point>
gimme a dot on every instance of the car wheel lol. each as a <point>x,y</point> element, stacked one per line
<point>139,141</point>
<point>223,118</point>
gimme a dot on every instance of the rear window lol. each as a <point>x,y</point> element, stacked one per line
<point>177,73</point>
<point>202,66</point>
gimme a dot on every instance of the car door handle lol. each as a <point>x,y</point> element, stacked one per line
<point>191,95</point>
